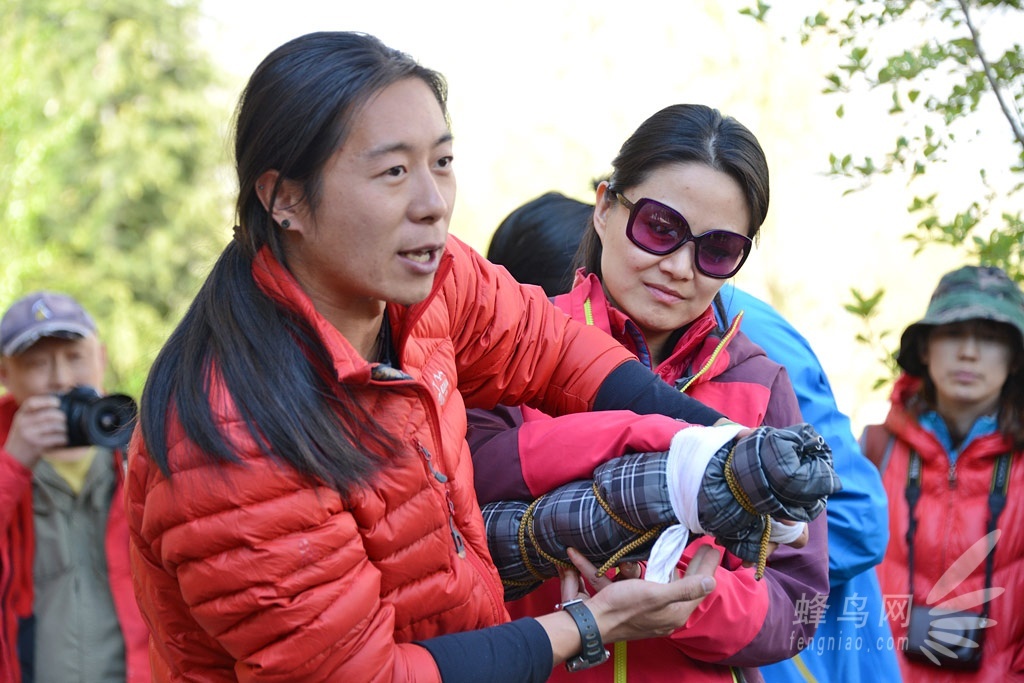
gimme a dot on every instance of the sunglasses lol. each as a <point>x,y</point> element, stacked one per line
<point>660,230</point>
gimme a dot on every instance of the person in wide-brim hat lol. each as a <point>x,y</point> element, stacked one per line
<point>968,293</point>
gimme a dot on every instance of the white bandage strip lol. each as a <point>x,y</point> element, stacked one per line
<point>688,457</point>
<point>784,533</point>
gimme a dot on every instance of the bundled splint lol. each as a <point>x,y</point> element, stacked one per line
<point>644,506</point>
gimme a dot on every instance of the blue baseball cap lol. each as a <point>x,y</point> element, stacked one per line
<point>39,315</point>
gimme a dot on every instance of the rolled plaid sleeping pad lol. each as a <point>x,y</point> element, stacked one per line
<point>785,473</point>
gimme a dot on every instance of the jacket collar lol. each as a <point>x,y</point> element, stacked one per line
<point>902,422</point>
<point>587,302</point>
<point>280,285</point>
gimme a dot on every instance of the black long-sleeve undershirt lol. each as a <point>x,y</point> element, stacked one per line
<point>516,652</point>
<point>631,386</point>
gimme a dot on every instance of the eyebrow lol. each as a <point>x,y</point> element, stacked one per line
<point>405,147</point>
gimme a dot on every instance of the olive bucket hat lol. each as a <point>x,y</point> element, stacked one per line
<point>968,293</point>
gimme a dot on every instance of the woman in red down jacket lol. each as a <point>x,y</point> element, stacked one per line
<point>299,492</point>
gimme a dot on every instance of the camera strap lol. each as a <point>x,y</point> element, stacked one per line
<point>996,502</point>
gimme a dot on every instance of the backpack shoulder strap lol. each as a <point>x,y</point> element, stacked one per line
<point>877,442</point>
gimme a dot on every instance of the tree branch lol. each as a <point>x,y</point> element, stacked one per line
<point>1011,115</point>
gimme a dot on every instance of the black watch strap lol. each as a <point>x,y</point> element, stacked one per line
<point>593,652</point>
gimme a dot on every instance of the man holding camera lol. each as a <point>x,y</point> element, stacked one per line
<point>66,598</point>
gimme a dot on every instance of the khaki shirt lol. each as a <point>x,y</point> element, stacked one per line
<point>77,635</point>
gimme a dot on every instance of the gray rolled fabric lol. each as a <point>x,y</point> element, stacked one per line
<point>634,487</point>
<point>785,473</point>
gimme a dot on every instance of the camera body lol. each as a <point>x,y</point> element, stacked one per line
<point>98,420</point>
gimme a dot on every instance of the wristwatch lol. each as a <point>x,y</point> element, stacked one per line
<point>593,652</point>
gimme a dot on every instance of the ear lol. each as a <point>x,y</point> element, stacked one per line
<point>603,204</point>
<point>288,197</point>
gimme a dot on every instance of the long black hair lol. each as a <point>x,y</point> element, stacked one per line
<point>294,113</point>
<point>682,133</point>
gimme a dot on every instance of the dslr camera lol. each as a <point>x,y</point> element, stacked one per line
<point>98,420</point>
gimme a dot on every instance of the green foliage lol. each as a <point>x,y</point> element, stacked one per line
<point>866,308</point>
<point>109,186</point>
<point>944,80</point>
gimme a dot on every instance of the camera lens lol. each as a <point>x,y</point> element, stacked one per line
<point>109,421</point>
<point>98,420</point>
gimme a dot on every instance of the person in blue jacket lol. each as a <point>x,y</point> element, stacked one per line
<point>853,642</point>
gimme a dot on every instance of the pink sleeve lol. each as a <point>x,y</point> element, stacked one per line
<point>555,451</point>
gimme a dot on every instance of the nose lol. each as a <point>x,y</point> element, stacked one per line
<point>969,345</point>
<point>679,264</point>
<point>62,376</point>
<point>431,201</point>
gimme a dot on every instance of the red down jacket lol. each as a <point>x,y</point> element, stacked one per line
<point>246,572</point>
<point>17,553</point>
<point>952,516</point>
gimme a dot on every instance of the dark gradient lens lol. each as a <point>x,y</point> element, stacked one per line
<point>658,228</point>
<point>720,253</point>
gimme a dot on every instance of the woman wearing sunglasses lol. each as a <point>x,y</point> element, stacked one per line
<point>674,221</point>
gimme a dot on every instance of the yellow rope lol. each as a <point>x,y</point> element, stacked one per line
<point>527,531</point>
<point>527,525</point>
<point>644,537</point>
<point>744,501</point>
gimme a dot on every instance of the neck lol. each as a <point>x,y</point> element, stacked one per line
<point>959,419</point>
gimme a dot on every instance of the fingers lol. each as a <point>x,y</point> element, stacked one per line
<point>588,570</point>
<point>699,578</point>
<point>692,586</point>
<point>629,570</point>
<point>571,584</point>
<point>704,562</point>
<point>38,426</point>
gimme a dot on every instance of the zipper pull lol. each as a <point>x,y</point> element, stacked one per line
<point>440,476</point>
<point>952,475</point>
<point>460,543</point>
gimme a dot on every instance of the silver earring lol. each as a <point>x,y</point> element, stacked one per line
<point>286,224</point>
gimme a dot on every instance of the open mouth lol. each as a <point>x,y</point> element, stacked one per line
<point>420,256</point>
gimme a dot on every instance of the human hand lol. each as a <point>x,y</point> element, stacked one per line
<point>799,542</point>
<point>38,426</point>
<point>630,609</point>
<point>746,431</point>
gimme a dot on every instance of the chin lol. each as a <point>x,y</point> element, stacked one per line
<point>410,296</point>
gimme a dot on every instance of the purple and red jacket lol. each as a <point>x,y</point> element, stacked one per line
<point>744,623</point>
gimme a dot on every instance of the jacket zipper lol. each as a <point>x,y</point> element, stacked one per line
<point>457,539</point>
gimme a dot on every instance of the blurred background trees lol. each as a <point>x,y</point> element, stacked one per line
<point>116,181</point>
<point>951,77</point>
<point>112,180</point>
